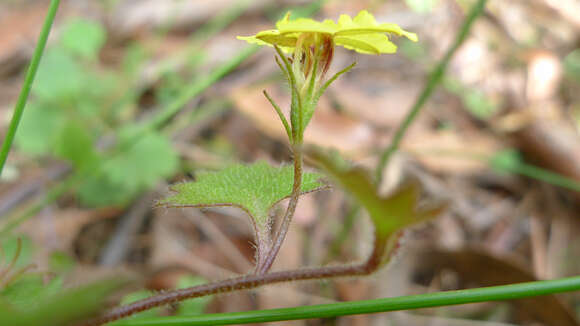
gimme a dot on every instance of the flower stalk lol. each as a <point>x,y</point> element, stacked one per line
<point>311,48</point>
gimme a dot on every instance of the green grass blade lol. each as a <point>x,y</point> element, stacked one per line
<point>434,80</point>
<point>28,80</point>
<point>493,293</point>
<point>547,176</point>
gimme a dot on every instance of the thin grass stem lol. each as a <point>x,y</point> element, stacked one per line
<point>28,80</point>
<point>438,299</point>
<point>433,81</point>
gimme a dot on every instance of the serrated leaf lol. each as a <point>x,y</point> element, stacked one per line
<point>389,214</point>
<point>254,188</point>
<point>83,37</point>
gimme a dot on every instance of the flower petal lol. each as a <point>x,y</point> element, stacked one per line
<point>362,34</point>
<point>365,23</point>
<point>367,43</point>
<point>305,25</point>
<point>271,38</point>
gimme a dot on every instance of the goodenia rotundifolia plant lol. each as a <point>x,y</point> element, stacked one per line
<point>305,49</point>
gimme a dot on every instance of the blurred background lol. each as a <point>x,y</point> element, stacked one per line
<point>133,95</point>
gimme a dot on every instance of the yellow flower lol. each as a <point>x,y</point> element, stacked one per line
<point>362,34</point>
<point>311,44</point>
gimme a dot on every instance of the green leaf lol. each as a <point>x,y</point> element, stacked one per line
<point>28,290</point>
<point>39,129</point>
<point>83,37</point>
<point>142,162</point>
<point>75,144</point>
<point>99,191</point>
<point>70,306</point>
<point>254,188</point>
<point>389,214</point>
<point>59,76</point>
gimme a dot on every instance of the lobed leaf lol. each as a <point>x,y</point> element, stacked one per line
<point>254,188</point>
<point>389,214</point>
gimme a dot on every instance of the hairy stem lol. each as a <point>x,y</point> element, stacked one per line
<point>285,225</point>
<point>240,283</point>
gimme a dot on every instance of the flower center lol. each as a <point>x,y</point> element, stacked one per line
<point>312,56</point>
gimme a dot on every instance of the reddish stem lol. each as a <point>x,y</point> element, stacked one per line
<point>285,225</point>
<point>242,283</point>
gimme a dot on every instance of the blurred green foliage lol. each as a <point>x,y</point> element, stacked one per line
<point>421,6</point>
<point>78,104</point>
<point>32,304</point>
<point>474,100</point>
<point>572,65</point>
<point>32,297</point>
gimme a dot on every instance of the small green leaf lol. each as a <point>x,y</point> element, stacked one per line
<point>255,188</point>
<point>83,37</point>
<point>29,289</point>
<point>99,191</point>
<point>60,76</point>
<point>142,164</point>
<point>39,129</point>
<point>72,305</point>
<point>75,144</point>
<point>389,214</point>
